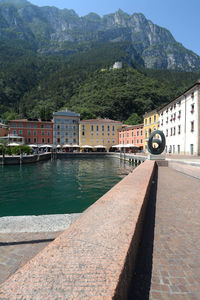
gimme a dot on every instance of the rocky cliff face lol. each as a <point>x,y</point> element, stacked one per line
<point>49,28</point>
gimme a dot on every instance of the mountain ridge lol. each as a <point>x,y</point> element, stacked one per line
<point>49,28</point>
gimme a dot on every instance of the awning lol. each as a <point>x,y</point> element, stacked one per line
<point>46,146</point>
<point>118,146</point>
<point>13,144</point>
<point>86,146</point>
<point>99,146</point>
<point>76,146</point>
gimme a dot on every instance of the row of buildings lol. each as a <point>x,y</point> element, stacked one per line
<point>179,120</point>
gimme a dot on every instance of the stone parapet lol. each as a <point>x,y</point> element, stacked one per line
<point>95,257</point>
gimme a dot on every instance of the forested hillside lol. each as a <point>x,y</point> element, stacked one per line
<point>35,85</point>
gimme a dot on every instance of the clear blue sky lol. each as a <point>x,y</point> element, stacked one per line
<point>181,17</point>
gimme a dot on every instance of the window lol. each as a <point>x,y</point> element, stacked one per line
<point>48,140</point>
<point>132,133</point>
<point>192,126</point>
<point>191,149</point>
<point>179,114</point>
<point>137,141</point>
<point>29,140</point>
<point>34,132</point>
<point>127,134</point>
<point>178,149</point>
<point>113,128</point>
<point>108,128</point>
<point>28,125</point>
<point>83,132</point>
<point>102,127</point>
<point>154,118</point>
<point>42,140</point>
<point>14,132</point>
<point>20,131</point>
<point>42,132</point>
<point>141,132</point>
<point>35,140</point>
<point>97,128</point>
<point>141,141</point>
<point>179,129</point>
<point>145,121</point>
<point>58,127</point>
<point>174,130</point>
<point>58,140</point>
<point>137,132</point>
<point>92,128</point>
<point>150,120</point>
<point>171,131</point>
<point>42,125</point>
<point>29,133</point>
<point>14,125</point>
<point>192,108</point>
<point>166,132</point>
<point>66,140</point>
<point>34,125</point>
<point>48,133</point>
<point>167,120</point>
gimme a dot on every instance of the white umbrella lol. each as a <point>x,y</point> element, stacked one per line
<point>67,146</point>
<point>58,146</point>
<point>86,146</point>
<point>46,146</point>
<point>76,146</point>
<point>118,146</point>
<point>13,144</point>
<point>33,146</point>
<point>129,145</point>
<point>99,146</point>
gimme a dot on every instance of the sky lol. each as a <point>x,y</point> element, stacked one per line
<point>180,17</point>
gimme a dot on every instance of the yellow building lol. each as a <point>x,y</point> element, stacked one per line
<point>96,132</point>
<point>151,123</point>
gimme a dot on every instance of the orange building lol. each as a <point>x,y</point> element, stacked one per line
<point>3,130</point>
<point>34,131</point>
<point>132,135</point>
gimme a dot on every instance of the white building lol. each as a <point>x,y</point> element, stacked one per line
<point>66,127</point>
<point>180,122</point>
<point>117,65</point>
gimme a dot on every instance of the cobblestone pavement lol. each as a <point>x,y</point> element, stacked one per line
<point>168,263</point>
<point>176,254</point>
<point>18,248</point>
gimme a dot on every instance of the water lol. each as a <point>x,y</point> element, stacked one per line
<point>57,187</point>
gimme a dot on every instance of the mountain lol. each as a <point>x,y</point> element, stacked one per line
<point>50,30</point>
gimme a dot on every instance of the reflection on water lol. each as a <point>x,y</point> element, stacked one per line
<point>61,186</point>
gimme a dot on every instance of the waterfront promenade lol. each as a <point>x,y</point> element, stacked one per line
<point>167,266</point>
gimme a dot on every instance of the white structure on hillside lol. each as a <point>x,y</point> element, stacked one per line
<point>117,65</point>
<point>180,122</point>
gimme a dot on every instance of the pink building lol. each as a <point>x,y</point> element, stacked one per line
<point>132,135</point>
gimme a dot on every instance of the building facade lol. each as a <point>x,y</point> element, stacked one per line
<point>132,135</point>
<point>96,132</point>
<point>3,129</point>
<point>151,123</point>
<point>34,131</point>
<point>180,122</point>
<point>66,128</point>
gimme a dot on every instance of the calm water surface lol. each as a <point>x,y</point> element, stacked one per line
<point>58,187</point>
